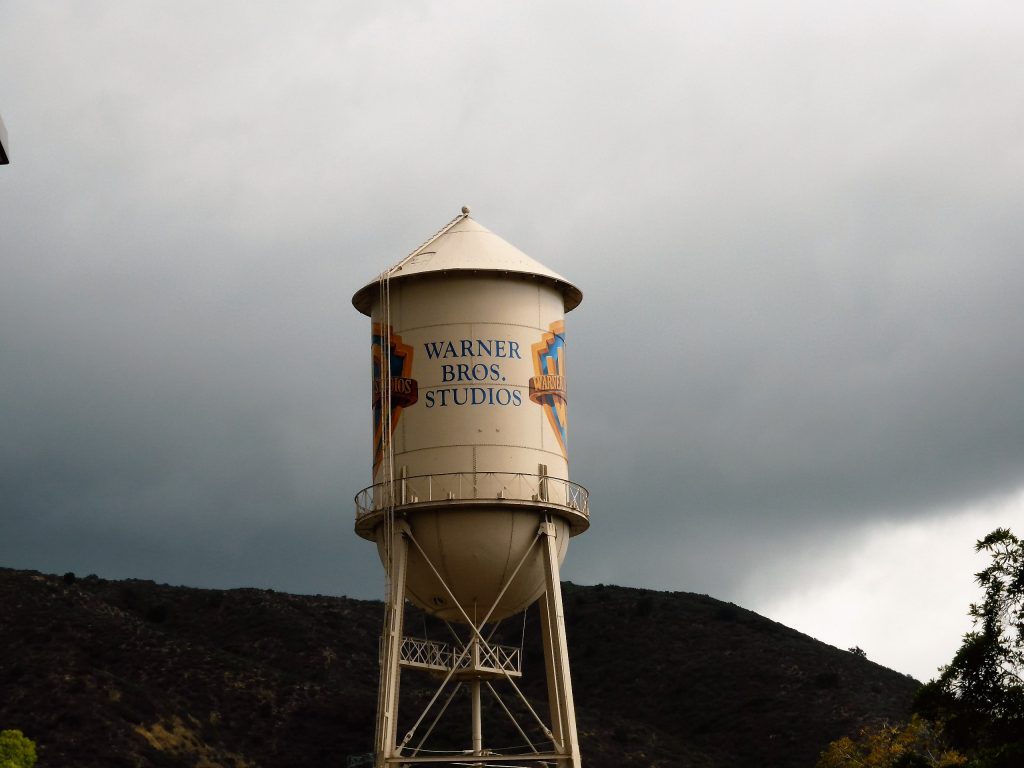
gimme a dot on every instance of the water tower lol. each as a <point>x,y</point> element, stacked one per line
<point>471,506</point>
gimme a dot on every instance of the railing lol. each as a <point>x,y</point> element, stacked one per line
<point>426,653</point>
<point>506,657</point>
<point>462,486</point>
<point>442,657</point>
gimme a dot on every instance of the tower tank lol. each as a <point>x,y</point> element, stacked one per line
<point>470,426</point>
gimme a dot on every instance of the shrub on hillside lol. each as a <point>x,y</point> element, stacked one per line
<point>16,750</point>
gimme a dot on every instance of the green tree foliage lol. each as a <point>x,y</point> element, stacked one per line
<point>977,703</point>
<point>980,695</point>
<point>16,750</point>
<point>917,744</point>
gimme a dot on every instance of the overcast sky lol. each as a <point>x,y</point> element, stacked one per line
<point>796,374</point>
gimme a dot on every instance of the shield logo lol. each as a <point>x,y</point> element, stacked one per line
<point>397,384</point>
<point>547,387</point>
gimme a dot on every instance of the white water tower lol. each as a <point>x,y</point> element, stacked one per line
<point>471,505</point>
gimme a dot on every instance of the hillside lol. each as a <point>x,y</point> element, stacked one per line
<point>103,674</point>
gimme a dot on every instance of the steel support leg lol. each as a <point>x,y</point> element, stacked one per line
<point>556,654</point>
<point>391,650</point>
<point>478,731</point>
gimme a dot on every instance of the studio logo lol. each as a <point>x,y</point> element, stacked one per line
<point>400,387</point>
<point>547,387</point>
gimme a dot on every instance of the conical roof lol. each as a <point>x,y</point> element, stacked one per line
<point>466,246</point>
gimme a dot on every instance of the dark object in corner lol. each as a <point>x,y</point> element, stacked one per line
<point>3,143</point>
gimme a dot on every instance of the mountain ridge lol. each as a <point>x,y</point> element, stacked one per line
<point>137,674</point>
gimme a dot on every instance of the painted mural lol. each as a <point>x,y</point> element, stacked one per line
<point>547,386</point>
<point>402,388</point>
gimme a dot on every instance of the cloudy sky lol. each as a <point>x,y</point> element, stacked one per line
<point>796,375</point>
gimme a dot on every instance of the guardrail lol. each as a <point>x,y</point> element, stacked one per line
<point>463,486</point>
<point>443,657</point>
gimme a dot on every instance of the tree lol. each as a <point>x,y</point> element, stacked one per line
<point>980,694</point>
<point>977,702</point>
<point>917,744</point>
<point>16,750</point>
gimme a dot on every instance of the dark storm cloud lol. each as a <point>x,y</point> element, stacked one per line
<point>177,419</point>
<point>795,228</point>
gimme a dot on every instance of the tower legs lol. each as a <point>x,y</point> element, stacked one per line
<point>556,654</point>
<point>565,744</point>
<point>478,730</point>
<point>391,648</point>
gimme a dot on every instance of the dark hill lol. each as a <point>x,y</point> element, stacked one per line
<point>104,674</point>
